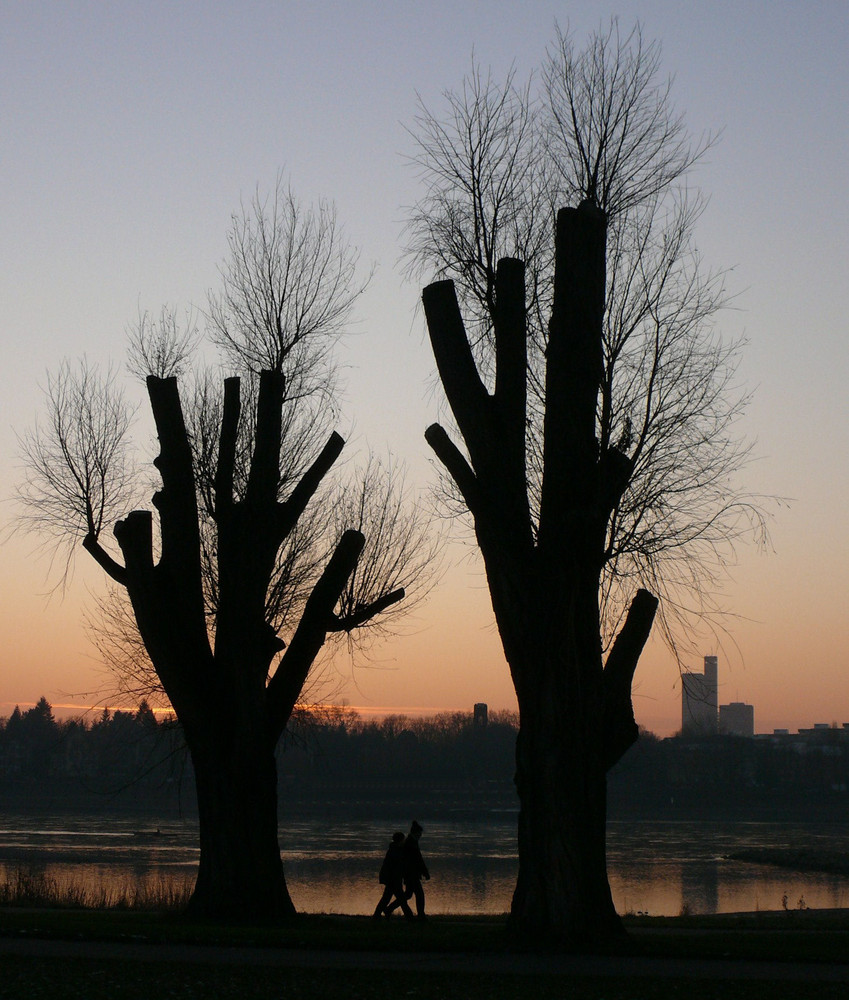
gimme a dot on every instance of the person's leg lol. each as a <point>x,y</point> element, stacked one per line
<point>405,906</point>
<point>415,889</point>
<point>401,898</point>
<point>384,899</point>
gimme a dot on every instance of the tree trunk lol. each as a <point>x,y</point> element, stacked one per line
<point>240,874</point>
<point>562,892</point>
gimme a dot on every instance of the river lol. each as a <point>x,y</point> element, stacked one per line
<point>660,868</point>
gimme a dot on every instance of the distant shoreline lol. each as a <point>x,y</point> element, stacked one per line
<point>811,860</point>
<point>445,805</point>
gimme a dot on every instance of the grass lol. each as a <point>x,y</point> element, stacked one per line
<point>57,978</point>
<point>810,938</point>
<point>26,888</point>
<point>313,932</point>
<point>71,978</point>
<point>33,906</point>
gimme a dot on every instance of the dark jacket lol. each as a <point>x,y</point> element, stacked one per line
<point>414,867</point>
<point>393,865</point>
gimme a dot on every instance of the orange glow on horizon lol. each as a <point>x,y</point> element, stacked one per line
<point>62,710</point>
<point>66,711</point>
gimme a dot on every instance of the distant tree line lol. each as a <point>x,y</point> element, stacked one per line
<point>329,759</point>
<point>333,761</point>
<point>443,764</point>
<point>105,755</point>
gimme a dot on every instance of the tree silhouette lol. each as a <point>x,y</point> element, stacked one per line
<point>596,410</point>
<point>247,549</point>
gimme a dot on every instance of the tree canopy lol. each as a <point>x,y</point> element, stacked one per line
<point>597,125</point>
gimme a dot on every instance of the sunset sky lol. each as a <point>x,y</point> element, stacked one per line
<point>130,133</point>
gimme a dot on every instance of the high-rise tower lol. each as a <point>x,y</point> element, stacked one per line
<point>700,701</point>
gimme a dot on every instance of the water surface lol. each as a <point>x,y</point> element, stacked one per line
<point>657,868</point>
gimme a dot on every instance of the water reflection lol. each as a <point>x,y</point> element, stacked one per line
<point>657,868</point>
<point>669,868</point>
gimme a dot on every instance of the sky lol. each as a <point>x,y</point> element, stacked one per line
<point>132,131</point>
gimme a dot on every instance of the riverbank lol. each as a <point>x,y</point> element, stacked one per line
<point>796,859</point>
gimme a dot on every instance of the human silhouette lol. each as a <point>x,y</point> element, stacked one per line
<point>390,877</point>
<point>414,870</point>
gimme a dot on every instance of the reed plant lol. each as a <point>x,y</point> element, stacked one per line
<point>32,888</point>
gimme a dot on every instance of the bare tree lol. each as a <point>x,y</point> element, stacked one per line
<point>400,549</point>
<point>77,477</point>
<point>288,287</point>
<point>597,407</point>
<point>250,571</point>
<point>488,194</point>
<point>613,135</point>
<point>162,347</point>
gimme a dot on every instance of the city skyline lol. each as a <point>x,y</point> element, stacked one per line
<point>703,697</point>
<point>130,140</point>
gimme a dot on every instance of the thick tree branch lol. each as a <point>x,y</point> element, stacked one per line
<point>454,461</point>
<point>177,500</point>
<point>104,560</point>
<point>361,615</point>
<point>574,369</point>
<point>619,727</point>
<point>466,393</point>
<point>615,471</point>
<point>224,472</point>
<point>285,686</point>
<point>511,379</point>
<point>168,599</point>
<point>264,476</point>
<point>511,342</point>
<point>294,506</point>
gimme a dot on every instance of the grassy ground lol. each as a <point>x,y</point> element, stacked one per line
<point>60,979</point>
<point>792,936</point>
<point>796,936</point>
<point>808,936</point>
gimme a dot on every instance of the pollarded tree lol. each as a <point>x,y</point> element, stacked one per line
<point>597,413</point>
<point>248,550</point>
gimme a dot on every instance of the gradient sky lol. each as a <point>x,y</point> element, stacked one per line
<point>130,132</point>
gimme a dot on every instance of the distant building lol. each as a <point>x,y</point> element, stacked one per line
<point>480,717</point>
<point>823,732</point>
<point>737,719</point>
<point>699,701</point>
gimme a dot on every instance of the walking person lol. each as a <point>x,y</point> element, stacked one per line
<point>390,877</point>
<point>414,870</point>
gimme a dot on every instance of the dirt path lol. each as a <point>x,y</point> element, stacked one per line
<point>568,965</point>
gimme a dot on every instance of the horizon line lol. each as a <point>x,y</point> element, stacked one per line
<point>369,711</point>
